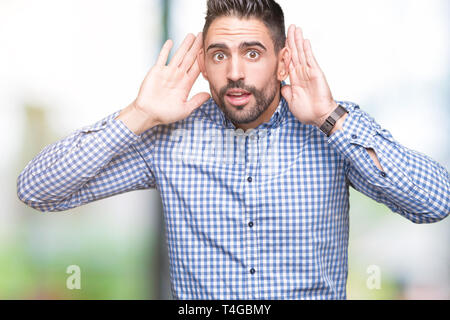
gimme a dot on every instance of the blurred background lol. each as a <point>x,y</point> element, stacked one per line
<point>65,64</point>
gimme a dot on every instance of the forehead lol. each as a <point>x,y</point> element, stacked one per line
<point>233,30</point>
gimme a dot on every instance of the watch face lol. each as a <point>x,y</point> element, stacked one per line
<point>329,124</point>
<point>326,127</point>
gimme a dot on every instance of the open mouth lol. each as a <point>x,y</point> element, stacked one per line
<point>238,97</point>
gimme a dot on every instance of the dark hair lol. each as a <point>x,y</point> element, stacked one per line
<point>268,11</point>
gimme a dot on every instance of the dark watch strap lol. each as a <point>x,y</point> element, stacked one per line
<point>329,124</point>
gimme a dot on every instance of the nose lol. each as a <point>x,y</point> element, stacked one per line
<point>235,70</point>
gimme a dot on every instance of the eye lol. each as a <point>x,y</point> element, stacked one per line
<point>219,56</point>
<point>253,54</point>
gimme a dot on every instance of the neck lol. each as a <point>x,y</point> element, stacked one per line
<point>265,117</point>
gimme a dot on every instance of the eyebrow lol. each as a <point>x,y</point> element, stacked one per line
<point>243,45</point>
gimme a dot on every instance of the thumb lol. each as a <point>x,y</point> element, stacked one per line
<point>286,91</point>
<point>197,100</point>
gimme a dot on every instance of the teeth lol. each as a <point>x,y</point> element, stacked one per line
<point>236,94</point>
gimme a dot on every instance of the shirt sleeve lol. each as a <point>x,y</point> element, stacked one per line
<point>412,184</point>
<point>92,163</point>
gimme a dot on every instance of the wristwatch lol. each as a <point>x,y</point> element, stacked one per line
<point>329,124</point>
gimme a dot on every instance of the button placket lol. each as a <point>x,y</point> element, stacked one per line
<point>251,194</point>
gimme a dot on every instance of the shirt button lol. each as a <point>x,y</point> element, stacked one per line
<point>383,174</point>
<point>252,271</point>
<point>249,179</point>
<point>250,224</point>
<point>354,136</point>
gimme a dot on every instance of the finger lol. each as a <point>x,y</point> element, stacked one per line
<point>312,62</point>
<point>181,52</point>
<point>164,54</point>
<point>299,41</point>
<point>295,80</point>
<point>193,73</point>
<point>293,46</point>
<point>197,100</point>
<point>192,54</point>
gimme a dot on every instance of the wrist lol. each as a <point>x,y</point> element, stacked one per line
<point>334,120</point>
<point>322,119</point>
<point>339,124</point>
<point>135,119</point>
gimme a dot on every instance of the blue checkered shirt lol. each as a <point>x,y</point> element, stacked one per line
<point>261,214</point>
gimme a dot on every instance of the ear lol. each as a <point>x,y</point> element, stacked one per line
<point>284,59</point>
<point>201,63</point>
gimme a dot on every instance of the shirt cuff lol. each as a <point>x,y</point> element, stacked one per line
<point>354,138</point>
<point>112,134</point>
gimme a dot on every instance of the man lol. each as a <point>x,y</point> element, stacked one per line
<point>255,179</point>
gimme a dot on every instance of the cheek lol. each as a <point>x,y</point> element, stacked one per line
<point>261,75</point>
<point>217,76</point>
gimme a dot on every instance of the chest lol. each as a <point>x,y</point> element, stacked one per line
<point>259,167</point>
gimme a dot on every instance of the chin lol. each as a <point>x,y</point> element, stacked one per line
<point>238,109</point>
<point>241,117</point>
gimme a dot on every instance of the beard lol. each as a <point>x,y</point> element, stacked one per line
<point>239,115</point>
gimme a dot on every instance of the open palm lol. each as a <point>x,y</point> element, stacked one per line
<point>309,96</point>
<point>163,95</point>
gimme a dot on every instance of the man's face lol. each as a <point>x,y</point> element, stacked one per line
<point>240,64</point>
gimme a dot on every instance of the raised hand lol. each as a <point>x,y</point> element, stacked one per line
<point>309,96</point>
<point>163,96</point>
